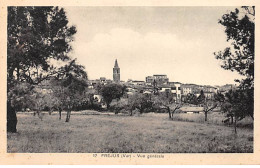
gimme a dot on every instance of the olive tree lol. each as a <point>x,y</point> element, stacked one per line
<point>71,85</point>
<point>165,100</point>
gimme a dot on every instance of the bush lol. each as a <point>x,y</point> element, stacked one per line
<point>120,105</point>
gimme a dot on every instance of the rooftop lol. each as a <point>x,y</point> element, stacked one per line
<point>116,64</point>
<point>137,81</point>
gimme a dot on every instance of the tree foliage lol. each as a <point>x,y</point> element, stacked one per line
<point>240,30</point>
<point>219,97</point>
<point>112,91</point>
<point>36,35</point>
<point>201,98</point>
<point>120,106</point>
<point>239,104</point>
<point>20,95</point>
<point>242,103</point>
<point>191,99</point>
<point>141,102</point>
<point>70,86</point>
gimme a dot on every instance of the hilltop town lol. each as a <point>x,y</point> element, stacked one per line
<point>161,83</point>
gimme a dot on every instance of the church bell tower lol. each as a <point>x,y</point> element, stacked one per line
<point>116,73</point>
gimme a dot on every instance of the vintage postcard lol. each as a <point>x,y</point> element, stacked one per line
<point>119,82</point>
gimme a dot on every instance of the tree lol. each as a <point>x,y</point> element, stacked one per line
<point>208,105</point>
<point>133,102</point>
<point>71,85</point>
<point>58,95</point>
<point>201,98</point>
<point>191,99</point>
<point>36,37</point>
<point>112,91</point>
<point>98,86</point>
<point>240,30</point>
<point>50,102</point>
<point>227,108</point>
<point>120,105</point>
<point>219,97</point>
<point>237,105</point>
<point>23,95</point>
<point>139,101</point>
<point>165,100</point>
<point>20,96</point>
<point>92,103</point>
<point>38,103</point>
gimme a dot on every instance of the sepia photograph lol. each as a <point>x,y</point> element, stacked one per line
<point>130,81</point>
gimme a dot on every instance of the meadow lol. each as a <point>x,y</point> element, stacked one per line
<point>213,118</point>
<point>93,132</point>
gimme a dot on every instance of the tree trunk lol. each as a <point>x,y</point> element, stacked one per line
<point>232,119</point>
<point>116,111</point>
<point>131,110</point>
<point>11,118</point>
<point>10,77</point>
<point>206,115</point>
<point>235,125</point>
<point>59,113</point>
<point>68,116</point>
<point>169,111</point>
<point>173,113</point>
<point>50,111</point>
<point>40,115</point>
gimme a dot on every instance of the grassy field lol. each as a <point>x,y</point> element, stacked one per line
<point>213,118</point>
<point>152,133</point>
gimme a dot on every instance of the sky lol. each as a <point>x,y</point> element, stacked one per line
<point>176,41</point>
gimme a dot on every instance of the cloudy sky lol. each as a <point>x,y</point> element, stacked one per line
<point>176,41</point>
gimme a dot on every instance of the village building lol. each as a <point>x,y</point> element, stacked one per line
<point>103,79</point>
<point>173,87</point>
<point>139,83</point>
<point>176,89</point>
<point>210,89</point>
<point>187,89</point>
<point>158,79</point>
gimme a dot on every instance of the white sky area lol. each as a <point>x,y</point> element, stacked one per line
<point>176,41</point>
